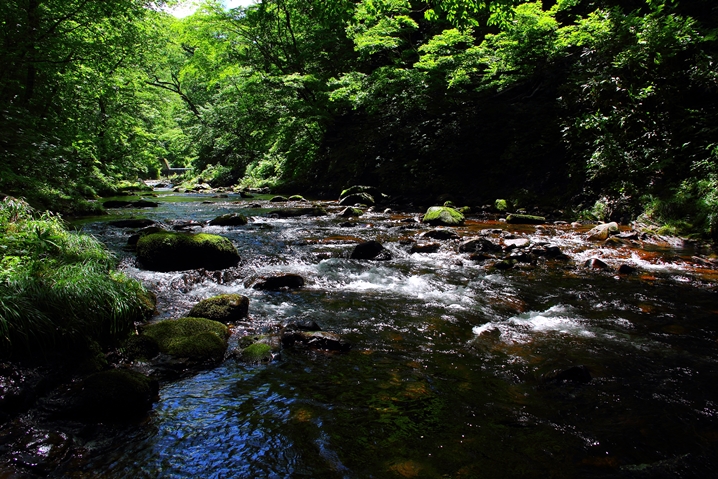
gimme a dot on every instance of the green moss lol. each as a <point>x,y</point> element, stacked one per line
<point>296,198</point>
<point>501,205</point>
<point>224,308</point>
<point>194,338</point>
<point>171,251</point>
<point>257,352</point>
<point>525,219</point>
<point>441,215</point>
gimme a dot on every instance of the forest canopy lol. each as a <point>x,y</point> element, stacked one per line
<point>606,106</point>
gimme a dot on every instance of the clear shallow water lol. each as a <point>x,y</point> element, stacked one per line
<point>446,374</point>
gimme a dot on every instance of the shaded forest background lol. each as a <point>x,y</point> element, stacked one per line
<point>605,108</point>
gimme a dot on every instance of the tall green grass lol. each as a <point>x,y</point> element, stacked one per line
<point>59,292</point>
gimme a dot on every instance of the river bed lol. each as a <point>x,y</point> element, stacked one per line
<point>455,367</point>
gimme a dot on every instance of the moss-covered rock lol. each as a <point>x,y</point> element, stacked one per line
<point>172,251</point>
<point>350,211</point>
<point>115,395</point>
<point>278,199</point>
<point>358,199</point>
<point>297,198</point>
<point>224,308</point>
<point>230,219</point>
<point>198,339</point>
<point>442,215</point>
<point>521,219</point>
<point>257,353</point>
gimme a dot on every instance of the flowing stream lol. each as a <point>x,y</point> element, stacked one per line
<point>450,369</point>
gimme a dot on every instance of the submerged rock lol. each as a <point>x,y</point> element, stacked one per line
<point>230,219</point>
<point>39,451</point>
<point>442,215</point>
<point>314,340</point>
<point>225,308</point>
<point>576,374</point>
<point>276,282</point>
<point>115,395</point>
<point>370,250</point>
<point>174,251</point>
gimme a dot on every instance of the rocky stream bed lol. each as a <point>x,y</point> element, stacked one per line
<point>487,349</point>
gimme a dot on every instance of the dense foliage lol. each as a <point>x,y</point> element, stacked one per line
<point>602,105</point>
<point>59,291</point>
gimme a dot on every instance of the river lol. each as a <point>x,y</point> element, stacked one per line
<point>455,366</point>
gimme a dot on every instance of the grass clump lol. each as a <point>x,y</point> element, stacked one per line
<point>59,291</point>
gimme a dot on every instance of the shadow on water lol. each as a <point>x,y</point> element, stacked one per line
<point>455,369</point>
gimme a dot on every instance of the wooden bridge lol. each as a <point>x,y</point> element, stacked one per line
<point>167,170</point>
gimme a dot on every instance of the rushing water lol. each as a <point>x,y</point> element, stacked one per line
<point>447,373</point>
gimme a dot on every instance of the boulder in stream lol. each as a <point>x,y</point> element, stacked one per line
<point>176,251</point>
<point>358,199</point>
<point>198,339</point>
<point>230,219</point>
<point>276,282</point>
<point>425,247</point>
<point>350,211</point>
<point>225,308</point>
<point>370,250</point>
<point>595,263</point>
<point>440,234</point>
<point>473,245</point>
<point>442,215</point>
<point>603,231</point>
